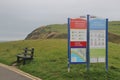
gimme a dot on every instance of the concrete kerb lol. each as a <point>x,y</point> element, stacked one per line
<point>19,72</point>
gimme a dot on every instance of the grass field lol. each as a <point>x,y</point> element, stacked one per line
<point>50,61</point>
<point>114,27</point>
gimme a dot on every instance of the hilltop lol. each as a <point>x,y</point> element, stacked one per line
<point>59,31</point>
<point>55,31</point>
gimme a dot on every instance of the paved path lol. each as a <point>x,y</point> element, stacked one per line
<point>10,73</point>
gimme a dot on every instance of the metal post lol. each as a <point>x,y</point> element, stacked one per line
<point>106,44</point>
<point>88,59</point>
<point>68,44</point>
<point>68,67</point>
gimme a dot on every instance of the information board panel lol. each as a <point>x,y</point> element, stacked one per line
<point>87,41</point>
<point>77,40</point>
<point>97,40</point>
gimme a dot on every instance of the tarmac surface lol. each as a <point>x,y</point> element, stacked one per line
<point>10,73</point>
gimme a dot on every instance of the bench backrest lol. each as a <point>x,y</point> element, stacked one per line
<point>29,52</point>
<point>32,52</point>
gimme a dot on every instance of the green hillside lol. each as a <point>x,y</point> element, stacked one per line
<point>54,31</point>
<point>114,27</point>
<point>114,31</point>
<point>59,31</point>
<point>50,61</point>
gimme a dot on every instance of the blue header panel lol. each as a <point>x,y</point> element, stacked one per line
<point>97,24</point>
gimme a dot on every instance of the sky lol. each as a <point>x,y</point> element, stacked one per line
<point>20,17</point>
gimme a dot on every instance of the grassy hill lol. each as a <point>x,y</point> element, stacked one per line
<point>59,31</point>
<point>56,31</point>
<point>50,60</point>
<point>114,27</point>
<point>114,31</point>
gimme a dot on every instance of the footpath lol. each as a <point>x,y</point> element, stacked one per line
<point>11,73</point>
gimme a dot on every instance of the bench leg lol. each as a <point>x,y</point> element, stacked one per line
<point>24,61</point>
<point>18,60</point>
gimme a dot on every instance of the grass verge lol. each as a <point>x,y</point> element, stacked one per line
<point>50,61</point>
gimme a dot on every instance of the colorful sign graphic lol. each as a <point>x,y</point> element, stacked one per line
<point>78,40</point>
<point>97,40</point>
<point>87,41</point>
<point>78,54</point>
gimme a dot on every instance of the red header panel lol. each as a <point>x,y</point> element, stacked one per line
<point>78,44</point>
<point>78,23</point>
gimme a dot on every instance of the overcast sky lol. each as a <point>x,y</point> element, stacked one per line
<point>19,17</point>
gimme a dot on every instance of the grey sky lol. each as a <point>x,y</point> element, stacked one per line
<point>19,17</point>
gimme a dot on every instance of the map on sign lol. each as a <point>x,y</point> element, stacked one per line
<point>78,54</point>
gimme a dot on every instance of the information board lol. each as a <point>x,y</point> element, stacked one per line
<point>97,40</point>
<point>87,41</point>
<point>77,40</point>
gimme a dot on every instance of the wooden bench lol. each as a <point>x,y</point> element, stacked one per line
<point>26,55</point>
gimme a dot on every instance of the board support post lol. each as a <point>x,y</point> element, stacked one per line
<point>88,59</point>
<point>68,67</point>
<point>106,44</point>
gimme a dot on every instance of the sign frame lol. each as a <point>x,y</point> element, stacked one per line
<point>106,40</point>
<point>72,43</point>
<point>69,47</point>
<point>87,62</point>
